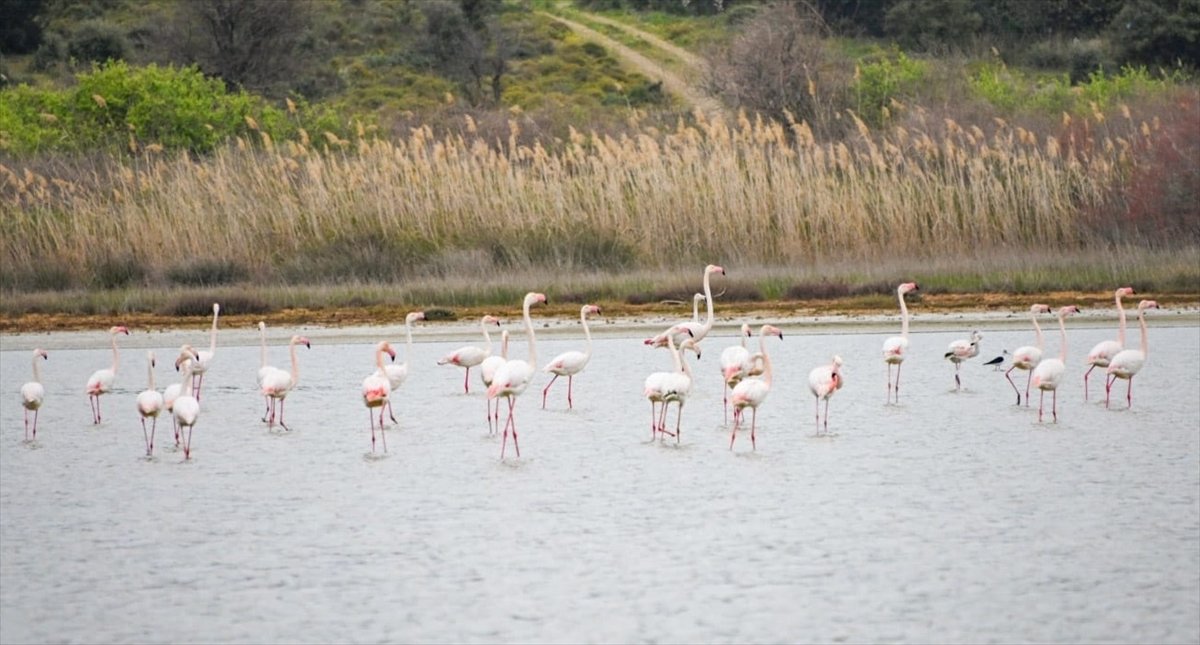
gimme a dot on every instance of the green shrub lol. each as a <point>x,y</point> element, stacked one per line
<point>883,78</point>
<point>97,41</point>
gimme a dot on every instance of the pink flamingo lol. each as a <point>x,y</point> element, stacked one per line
<point>1101,355</point>
<point>735,366</point>
<point>895,347</point>
<point>186,408</point>
<point>205,356</point>
<point>662,387</point>
<point>823,382</point>
<point>376,390</point>
<point>173,391</point>
<point>32,393</point>
<point>487,373</point>
<point>699,330</point>
<point>696,299</point>
<point>101,381</point>
<point>1128,362</point>
<point>149,404</point>
<point>751,392</point>
<point>1027,357</point>
<point>1049,373</point>
<point>513,376</point>
<point>277,383</point>
<point>570,363</point>
<point>397,374</point>
<point>470,356</point>
<point>961,350</point>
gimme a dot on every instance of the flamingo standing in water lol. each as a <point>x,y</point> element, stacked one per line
<point>277,383</point>
<point>32,393</point>
<point>149,404</point>
<point>173,391</point>
<point>1101,355</point>
<point>698,330</point>
<point>735,366</point>
<point>1128,362</point>
<point>205,356</point>
<point>263,368</point>
<point>487,373</point>
<point>823,382</point>
<point>376,390</point>
<point>751,392</point>
<point>397,374</point>
<point>896,347</point>
<point>659,387</point>
<point>513,376</point>
<point>101,381</point>
<point>1049,373</point>
<point>570,363</point>
<point>186,408</point>
<point>470,355</point>
<point>961,350</point>
<point>1027,357</point>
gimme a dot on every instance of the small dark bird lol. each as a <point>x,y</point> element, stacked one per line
<point>998,362</point>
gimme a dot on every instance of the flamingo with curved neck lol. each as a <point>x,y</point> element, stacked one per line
<point>376,390</point>
<point>823,382</point>
<point>397,374</point>
<point>186,408</point>
<point>751,392</point>
<point>698,330</point>
<point>278,383</point>
<point>1102,354</point>
<point>101,381</point>
<point>1127,363</point>
<point>512,378</point>
<point>206,356</point>
<point>487,374</point>
<point>1049,373</point>
<point>1027,357</point>
<point>571,363</point>
<point>657,384</point>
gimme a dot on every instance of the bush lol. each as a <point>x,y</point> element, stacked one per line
<point>883,78</point>
<point>97,41</point>
<point>207,273</point>
<point>49,54</point>
<point>116,272</point>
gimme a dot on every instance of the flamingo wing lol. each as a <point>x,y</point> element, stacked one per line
<point>32,394</point>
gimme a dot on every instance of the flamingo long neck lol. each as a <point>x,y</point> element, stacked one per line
<point>407,341</point>
<point>1121,315</point>
<point>745,335</point>
<point>696,308</point>
<point>116,354</point>
<point>185,384</point>
<point>262,351</point>
<point>504,344</point>
<point>762,349</point>
<point>529,330</point>
<point>1142,322</point>
<point>149,371</point>
<point>586,332</point>
<point>1037,328</point>
<point>675,353</point>
<point>683,364</point>
<point>709,301</point>
<point>212,335</point>
<point>37,375</point>
<point>1062,326</point>
<point>903,315</point>
<point>488,337</point>
<point>296,363</point>
<point>379,358</point>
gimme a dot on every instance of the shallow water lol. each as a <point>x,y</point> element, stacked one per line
<point>949,517</point>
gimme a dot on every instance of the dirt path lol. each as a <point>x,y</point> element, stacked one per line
<point>674,84</point>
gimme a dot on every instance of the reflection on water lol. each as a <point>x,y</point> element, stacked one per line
<point>948,517</point>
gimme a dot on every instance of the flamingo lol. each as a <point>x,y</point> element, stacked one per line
<point>376,390</point>
<point>751,392</point>
<point>263,368</point>
<point>1027,357</point>
<point>205,357</point>
<point>1049,373</point>
<point>101,381</point>
<point>186,408</point>
<point>1128,362</point>
<point>470,356</point>
<point>173,391</point>
<point>397,374</point>
<point>676,388</point>
<point>513,376</point>
<point>823,382</point>
<point>961,350</point>
<point>658,386</point>
<point>1101,355</point>
<point>149,404</point>
<point>894,348</point>
<point>735,365</point>
<point>699,330</point>
<point>487,373</point>
<point>696,298</point>
<point>277,383</point>
<point>32,393</point>
<point>570,363</point>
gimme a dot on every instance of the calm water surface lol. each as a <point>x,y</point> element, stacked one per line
<point>950,517</point>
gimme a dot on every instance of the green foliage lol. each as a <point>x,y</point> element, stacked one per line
<point>1010,90</point>
<point>97,41</point>
<point>1158,32</point>
<point>883,78</point>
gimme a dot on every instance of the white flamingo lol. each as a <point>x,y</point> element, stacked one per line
<point>961,350</point>
<point>1049,373</point>
<point>470,355</point>
<point>895,348</point>
<point>149,404</point>
<point>697,298</point>
<point>487,373</point>
<point>206,356</point>
<point>376,390</point>
<point>570,363</point>
<point>1128,362</point>
<point>514,375</point>
<point>1101,355</point>
<point>263,368</point>
<point>699,330</point>
<point>33,393</point>
<point>751,392</point>
<point>186,407</point>
<point>1027,357</point>
<point>277,383</point>
<point>823,382</point>
<point>397,374</point>
<point>101,381</point>
<point>735,366</point>
<point>173,391</point>
<point>658,386</point>
<point>677,387</point>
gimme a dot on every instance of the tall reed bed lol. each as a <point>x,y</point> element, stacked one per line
<point>751,192</point>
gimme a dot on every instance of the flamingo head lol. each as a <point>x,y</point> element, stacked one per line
<point>746,331</point>
<point>771,330</point>
<point>690,344</point>
<point>150,357</point>
<point>712,268</point>
<point>262,326</point>
<point>1067,311</point>
<point>908,287</point>
<point>533,298</point>
<point>697,298</point>
<point>976,336</point>
<point>590,310</point>
<point>300,340</point>
<point>186,353</point>
<point>1039,309</point>
<point>386,347</point>
<point>216,308</point>
<point>414,316</point>
<point>1148,304</point>
<point>1124,291</point>
<point>42,353</point>
<point>119,329</point>
<point>490,320</point>
<point>837,363</point>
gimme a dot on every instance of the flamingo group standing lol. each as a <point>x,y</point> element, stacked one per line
<point>697,330</point>
<point>1102,353</point>
<point>751,392</point>
<point>664,388</point>
<point>397,374</point>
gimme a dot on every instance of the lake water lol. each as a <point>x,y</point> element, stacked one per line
<point>951,517</point>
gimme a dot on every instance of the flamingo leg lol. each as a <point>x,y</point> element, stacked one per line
<point>1028,380</point>
<point>390,414</point>
<point>145,436</point>
<point>547,390</point>
<point>826,416</point>
<point>1129,392</point>
<point>737,418</point>
<point>957,381</point>
<point>1041,404</point>
<point>898,366</point>
<point>507,424</point>
<point>1108,382</point>
<point>725,402</point>
<point>26,425</point>
<point>678,420</point>
<point>570,381</point>
<point>92,403</point>
<point>653,421</point>
<point>284,425</point>
<point>153,428</point>
<point>371,417</point>
<point>382,434</point>
<point>187,445</point>
<point>889,384</point>
<point>1085,381</point>
<point>753,424</point>
<point>35,415</point>
<point>1054,404</point>
<point>267,409</point>
<point>467,381</point>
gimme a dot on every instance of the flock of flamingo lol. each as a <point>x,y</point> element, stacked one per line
<point>747,374</point>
